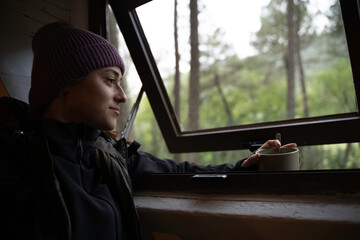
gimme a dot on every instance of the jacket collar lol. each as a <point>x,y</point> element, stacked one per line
<point>68,140</point>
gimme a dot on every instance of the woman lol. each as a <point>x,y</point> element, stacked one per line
<point>63,177</point>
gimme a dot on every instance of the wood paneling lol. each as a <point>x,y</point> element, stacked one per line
<point>3,91</point>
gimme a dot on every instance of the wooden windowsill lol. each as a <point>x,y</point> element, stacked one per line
<point>248,216</point>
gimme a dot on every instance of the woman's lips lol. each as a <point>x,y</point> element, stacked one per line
<point>115,110</point>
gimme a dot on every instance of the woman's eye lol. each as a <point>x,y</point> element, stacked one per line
<point>110,80</point>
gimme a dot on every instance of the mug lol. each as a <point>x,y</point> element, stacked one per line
<point>285,159</point>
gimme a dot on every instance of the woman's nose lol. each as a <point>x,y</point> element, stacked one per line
<point>120,95</point>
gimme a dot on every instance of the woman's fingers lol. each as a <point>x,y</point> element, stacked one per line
<point>277,144</point>
<point>271,144</point>
<point>253,159</point>
<point>291,145</point>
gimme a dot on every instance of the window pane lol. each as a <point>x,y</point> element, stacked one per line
<point>130,82</point>
<point>146,129</point>
<point>321,157</point>
<point>334,156</point>
<point>259,61</point>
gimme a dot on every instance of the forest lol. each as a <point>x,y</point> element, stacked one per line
<point>298,71</point>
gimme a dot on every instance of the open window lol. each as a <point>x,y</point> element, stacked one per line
<point>167,201</point>
<point>243,98</point>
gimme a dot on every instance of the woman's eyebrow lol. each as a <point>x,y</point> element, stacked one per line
<point>113,71</point>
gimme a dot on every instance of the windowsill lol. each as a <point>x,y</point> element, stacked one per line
<point>197,216</point>
<point>288,205</point>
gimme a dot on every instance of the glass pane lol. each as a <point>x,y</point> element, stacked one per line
<point>321,157</point>
<point>259,61</point>
<point>334,156</point>
<point>147,132</point>
<point>131,82</point>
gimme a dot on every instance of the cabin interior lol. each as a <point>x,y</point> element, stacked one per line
<point>308,203</point>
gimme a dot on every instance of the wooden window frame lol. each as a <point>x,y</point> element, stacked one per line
<point>339,128</point>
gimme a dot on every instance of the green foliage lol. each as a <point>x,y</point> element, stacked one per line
<point>255,88</point>
<point>332,90</point>
<point>147,131</point>
<point>334,156</point>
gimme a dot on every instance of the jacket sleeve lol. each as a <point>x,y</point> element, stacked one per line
<point>140,163</point>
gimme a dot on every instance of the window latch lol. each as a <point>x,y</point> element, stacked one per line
<point>209,177</point>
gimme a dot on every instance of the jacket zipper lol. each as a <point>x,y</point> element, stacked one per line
<point>80,158</point>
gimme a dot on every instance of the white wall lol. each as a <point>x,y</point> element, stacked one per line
<point>19,20</point>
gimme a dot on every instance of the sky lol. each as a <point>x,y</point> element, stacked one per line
<point>238,18</point>
<point>158,27</point>
<point>229,15</point>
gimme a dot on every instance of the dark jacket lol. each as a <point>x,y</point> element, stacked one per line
<point>33,204</point>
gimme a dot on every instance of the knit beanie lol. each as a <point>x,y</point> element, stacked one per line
<point>62,55</point>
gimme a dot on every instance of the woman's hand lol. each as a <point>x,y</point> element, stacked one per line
<point>253,159</point>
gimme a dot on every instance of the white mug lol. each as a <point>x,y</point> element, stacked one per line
<point>285,159</point>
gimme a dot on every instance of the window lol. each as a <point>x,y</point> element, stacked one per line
<point>236,108</point>
<point>250,71</point>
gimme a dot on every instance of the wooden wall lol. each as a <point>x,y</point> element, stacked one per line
<point>19,20</point>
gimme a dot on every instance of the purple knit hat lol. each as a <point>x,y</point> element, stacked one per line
<point>62,55</point>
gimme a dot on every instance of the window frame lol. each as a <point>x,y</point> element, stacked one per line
<point>345,128</point>
<point>318,182</point>
<point>326,182</point>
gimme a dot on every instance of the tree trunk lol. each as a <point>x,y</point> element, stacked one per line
<point>299,61</point>
<point>176,91</point>
<point>223,99</point>
<point>346,156</point>
<point>290,61</point>
<point>194,85</point>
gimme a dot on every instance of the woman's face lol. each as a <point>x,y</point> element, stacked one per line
<point>95,99</point>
